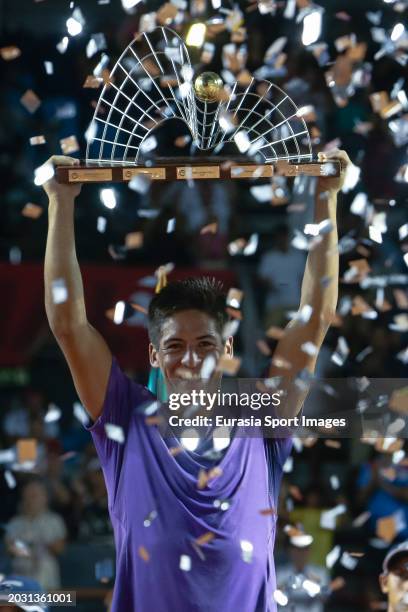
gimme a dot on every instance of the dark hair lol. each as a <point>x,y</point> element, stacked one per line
<point>205,294</point>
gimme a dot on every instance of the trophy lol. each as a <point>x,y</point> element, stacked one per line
<point>153,82</point>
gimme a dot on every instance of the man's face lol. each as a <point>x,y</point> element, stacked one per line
<point>395,584</point>
<point>187,338</point>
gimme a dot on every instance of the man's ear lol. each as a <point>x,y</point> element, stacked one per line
<point>153,356</point>
<point>229,347</point>
<point>383,580</point>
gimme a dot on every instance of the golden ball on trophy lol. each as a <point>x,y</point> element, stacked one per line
<point>208,87</point>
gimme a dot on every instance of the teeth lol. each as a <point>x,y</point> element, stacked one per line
<point>187,375</point>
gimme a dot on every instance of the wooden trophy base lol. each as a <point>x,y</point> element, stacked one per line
<point>179,169</point>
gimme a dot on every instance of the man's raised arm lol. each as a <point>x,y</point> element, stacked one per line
<point>85,350</point>
<point>319,293</point>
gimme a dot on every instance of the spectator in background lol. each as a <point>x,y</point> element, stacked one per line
<point>62,497</point>
<point>21,420</point>
<point>36,536</point>
<point>291,577</point>
<point>308,516</point>
<point>95,524</point>
<point>394,578</point>
<point>18,585</point>
<point>383,492</point>
<point>281,271</point>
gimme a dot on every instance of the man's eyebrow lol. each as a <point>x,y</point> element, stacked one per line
<point>212,336</point>
<point>172,339</point>
<point>177,339</point>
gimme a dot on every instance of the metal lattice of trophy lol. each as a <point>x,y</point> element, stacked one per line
<point>153,82</point>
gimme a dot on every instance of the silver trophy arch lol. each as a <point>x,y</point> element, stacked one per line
<point>153,82</point>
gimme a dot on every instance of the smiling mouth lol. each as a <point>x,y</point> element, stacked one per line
<point>184,374</point>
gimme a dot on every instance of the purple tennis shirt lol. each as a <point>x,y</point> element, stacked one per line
<point>159,515</point>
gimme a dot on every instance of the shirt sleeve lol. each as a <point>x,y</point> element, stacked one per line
<point>123,397</point>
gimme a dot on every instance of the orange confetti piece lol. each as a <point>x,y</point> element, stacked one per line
<point>153,420</point>
<point>69,145</point>
<point>267,511</point>
<point>143,554</point>
<point>332,443</point>
<point>234,313</point>
<point>134,240</point>
<point>228,365</point>
<point>92,82</point>
<point>32,211</point>
<point>167,13</point>
<point>182,141</point>
<point>211,228</point>
<point>175,450</point>
<point>110,313</point>
<point>359,305</point>
<point>337,583</point>
<point>204,477</point>
<point>30,101</point>
<point>139,308</point>
<point>386,528</point>
<point>378,100</point>
<point>205,538</point>
<point>26,450</point>
<point>10,53</point>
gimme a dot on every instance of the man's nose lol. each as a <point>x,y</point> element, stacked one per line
<point>190,358</point>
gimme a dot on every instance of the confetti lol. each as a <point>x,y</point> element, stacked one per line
<point>80,414</point>
<point>341,352</point>
<point>10,53</point>
<point>59,291</point>
<point>189,439</point>
<point>228,365</point>
<point>205,538</point>
<point>115,432</point>
<point>92,82</point>
<point>37,140</point>
<point>361,519</point>
<point>328,518</point>
<point>301,540</point>
<point>30,101</point>
<point>53,414</point>
<point>26,450</point>
<point>348,561</point>
<point>333,556</point>
<point>185,563</point>
<point>143,554</point>
<point>134,240</point>
<point>150,518</point>
<point>69,145</point>
<point>32,211</point>
<point>247,549</point>
<point>49,67</point>
<point>108,197</point>
<point>171,226</point>
<point>280,597</point>
<point>43,173</point>
<point>10,480</point>
<point>96,43</point>
<point>234,298</point>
